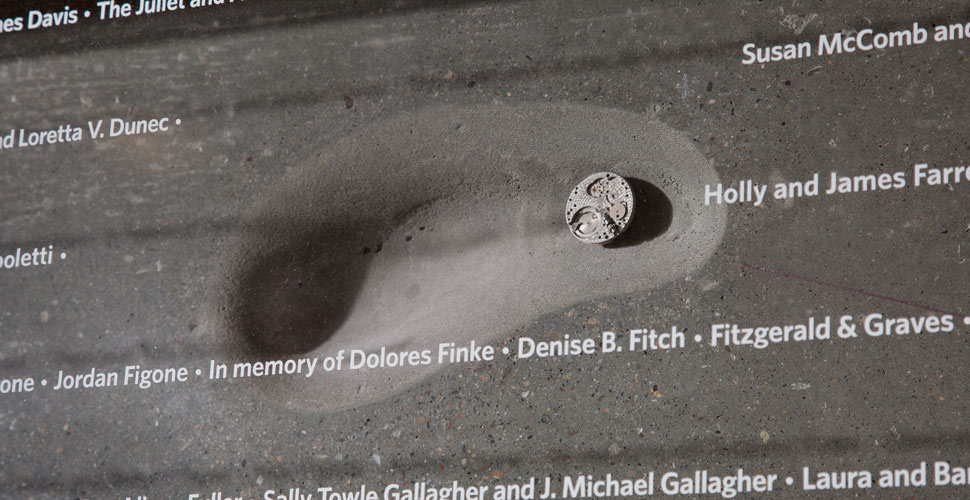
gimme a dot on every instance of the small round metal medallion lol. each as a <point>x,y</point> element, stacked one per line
<point>600,208</point>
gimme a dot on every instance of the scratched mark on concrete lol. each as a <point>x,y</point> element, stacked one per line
<point>684,87</point>
<point>797,23</point>
<point>848,289</point>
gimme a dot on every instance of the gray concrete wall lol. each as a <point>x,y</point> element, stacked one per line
<point>356,176</point>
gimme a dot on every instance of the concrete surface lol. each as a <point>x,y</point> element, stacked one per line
<point>311,139</point>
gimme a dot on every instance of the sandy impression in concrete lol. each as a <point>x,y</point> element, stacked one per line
<point>447,225</point>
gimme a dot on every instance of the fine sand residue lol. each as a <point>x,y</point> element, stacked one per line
<point>446,225</point>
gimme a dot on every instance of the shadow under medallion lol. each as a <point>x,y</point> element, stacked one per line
<point>445,225</point>
<point>653,217</point>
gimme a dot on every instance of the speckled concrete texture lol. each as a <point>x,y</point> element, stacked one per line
<point>283,219</point>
